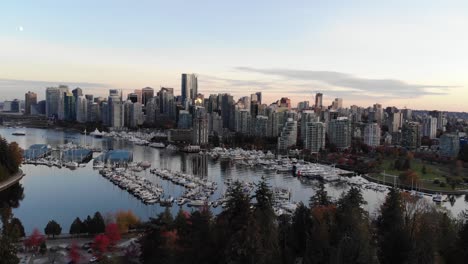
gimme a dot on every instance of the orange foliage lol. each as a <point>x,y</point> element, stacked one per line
<point>125,220</point>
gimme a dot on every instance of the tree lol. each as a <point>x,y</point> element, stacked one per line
<point>100,245</point>
<point>126,220</point>
<point>53,228</point>
<point>87,226</point>
<point>17,227</point>
<point>34,241</point>
<point>266,228</point>
<point>113,233</point>
<point>76,227</point>
<point>352,237</point>
<point>98,226</point>
<point>74,253</point>
<point>43,248</point>
<point>394,244</point>
<point>320,198</point>
<point>301,229</point>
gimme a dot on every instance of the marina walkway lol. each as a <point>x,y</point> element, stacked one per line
<point>11,181</point>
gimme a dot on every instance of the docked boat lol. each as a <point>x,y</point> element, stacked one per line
<point>96,133</point>
<point>71,165</point>
<point>157,145</point>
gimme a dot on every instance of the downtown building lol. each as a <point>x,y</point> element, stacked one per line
<point>200,127</point>
<point>189,88</point>
<point>429,127</point>
<point>449,145</point>
<point>372,134</point>
<point>339,133</point>
<point>52,101</point>
<point>411,135</point>
<point>314,136</point>
<point>288,136</point>
<point>30,99</point>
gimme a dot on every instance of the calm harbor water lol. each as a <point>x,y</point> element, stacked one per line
<point>64,194</point>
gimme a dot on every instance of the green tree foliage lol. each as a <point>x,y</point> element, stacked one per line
<point>17,227</point>
<point>10,158</point>
<point>320,198</point>
<point>394,245</point>
<point>76,227</point>
<point>352,237</point>
<point>53,229</point>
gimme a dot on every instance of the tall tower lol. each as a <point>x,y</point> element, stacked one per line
<point>319,100</point>
<point>189,87</point>
<point>30,98</point>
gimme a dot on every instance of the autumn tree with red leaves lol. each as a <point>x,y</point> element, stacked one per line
<point>34,241</point>
<point>113,233</point>
<point>101,244</point>
<point>74,254</point>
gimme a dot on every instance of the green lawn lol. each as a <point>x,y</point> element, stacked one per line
<point>432,172</point>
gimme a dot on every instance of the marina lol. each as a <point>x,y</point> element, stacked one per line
<point>155,178</point>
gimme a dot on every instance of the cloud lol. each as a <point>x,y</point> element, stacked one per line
<point>346,85</point>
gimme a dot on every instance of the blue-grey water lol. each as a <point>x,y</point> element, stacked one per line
<point>64,194</point>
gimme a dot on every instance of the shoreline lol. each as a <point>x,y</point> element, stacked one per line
<point>11,181</point>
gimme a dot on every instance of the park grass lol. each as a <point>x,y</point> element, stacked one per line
<point>433,172</point>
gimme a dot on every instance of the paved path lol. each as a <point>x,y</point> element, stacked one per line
<point>11,181</point>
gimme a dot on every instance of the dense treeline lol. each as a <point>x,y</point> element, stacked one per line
<point>10,158</point>
<point>406,230</point>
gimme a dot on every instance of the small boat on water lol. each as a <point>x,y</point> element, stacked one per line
<point>71,165</point>
<point>19,133</point>
<point>157,145</point>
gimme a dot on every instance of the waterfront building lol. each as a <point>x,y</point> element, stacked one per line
<point>200,127</point>
<point>306,117</point>
<point>242,119</point>
<point>69,107</point>
<point>81,109</point>
<point>185,120</point>
<point>314,136</point>
<point>52,101</point>
<point>30,99</point>
<point>261,126</point>
<point>288,137</point>
<point>63,90</point>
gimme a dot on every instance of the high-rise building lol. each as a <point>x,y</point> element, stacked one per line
<point>302,105</point>
<point>189,87</point>
<point>200,127</point>
<point>133,97</point>
<point>288,137</point>
<point>440,118</point>
<point>306,117</point>
<point>151,111</point>
<point>337,103</point>
<point>52,101</point>
<point>411,135</point>
<point>139,95</point>
<point>319,100</point>
<point>285,102</point>
<point>63,90</point>
<point>430,127</point>
<point>81,109</point>
<point>339,132</point>
<point>394,122</point>
<point>372,134</point>
<point>146,94</point>
<point>261,126</point>
<point>69,107</point>
<point>378,114</point>
<point>167,104</point>
<point>185,120</point>
<point>30,98</point>
<point>242,119</point>
<point>314,136</point>
<point>77,92</point>
<point>449,145</point>
<point>115,109</point>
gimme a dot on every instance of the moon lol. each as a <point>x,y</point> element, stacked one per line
<point>20,28</point>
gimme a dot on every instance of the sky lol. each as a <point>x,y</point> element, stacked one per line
<point>402,53</point>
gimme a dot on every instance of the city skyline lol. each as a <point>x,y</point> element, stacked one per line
<point>401,54</point>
